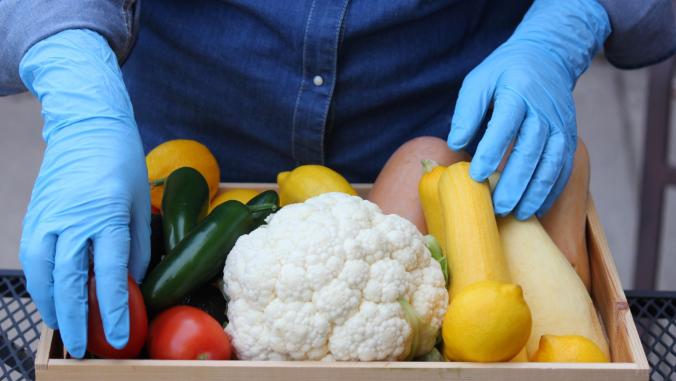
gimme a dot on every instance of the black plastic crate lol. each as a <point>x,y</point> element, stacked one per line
<point>655,316</point>
<point>19,328</point>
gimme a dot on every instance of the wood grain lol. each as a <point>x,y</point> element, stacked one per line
<point>44,348</point>
<point>609,298</point>
<point>149,370</point>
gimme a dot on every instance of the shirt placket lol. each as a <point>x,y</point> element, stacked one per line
<point>319,69</point>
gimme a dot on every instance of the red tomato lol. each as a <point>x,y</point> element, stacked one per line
<point>187,333</point>
<point>138,324</point>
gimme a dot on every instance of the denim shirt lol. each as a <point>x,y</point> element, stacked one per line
<point>268,85</point>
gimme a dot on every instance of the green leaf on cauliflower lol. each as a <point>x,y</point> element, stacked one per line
<point>432,356</point>
<point>435,249</point>
<point>424,335</point>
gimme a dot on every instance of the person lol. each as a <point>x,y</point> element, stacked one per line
<point>268,85</point>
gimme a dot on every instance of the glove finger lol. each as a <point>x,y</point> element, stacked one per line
<point>470,109</point>
<point>139,228</point>
<point>521,164</point>
<point>558,185</point>
<point>544,178</point>
<point>111,256</point>
<point>70,290</point>
<point>37,260</point>
<point>508,115</point>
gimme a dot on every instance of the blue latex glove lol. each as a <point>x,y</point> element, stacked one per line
<point>92,190</point>
<point>529,80</point>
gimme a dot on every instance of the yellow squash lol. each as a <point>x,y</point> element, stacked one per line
<point>487,319</point>
<point>429,199</point>
<point>473,246</point>
<point>308,181</point>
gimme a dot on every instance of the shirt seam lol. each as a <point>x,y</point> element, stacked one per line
<point>302,84</point>
<point>127,28</point>
<point>334,79</point>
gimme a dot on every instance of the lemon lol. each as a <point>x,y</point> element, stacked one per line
<point>570,348</point>
<point>241,195</point>
<point>174,154</point>
<point>486,321</point>
<point>308,181</point>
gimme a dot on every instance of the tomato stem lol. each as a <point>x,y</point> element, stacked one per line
<point>203,356</point>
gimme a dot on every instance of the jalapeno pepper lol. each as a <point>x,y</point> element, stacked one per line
<point>157,251</point>
<point>185,202</point>
<point>200,255</point>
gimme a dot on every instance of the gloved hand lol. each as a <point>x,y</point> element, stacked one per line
<point>92,190</point>
<point>530,79</point>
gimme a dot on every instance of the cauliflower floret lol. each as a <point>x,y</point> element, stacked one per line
<point>328,279</point>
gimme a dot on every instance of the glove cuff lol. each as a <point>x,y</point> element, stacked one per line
<point>573,31</point>
<point>76,77</point>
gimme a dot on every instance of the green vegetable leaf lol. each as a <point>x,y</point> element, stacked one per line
<point>432,356</point>
<point>424,335</point>
<point>438,255</point>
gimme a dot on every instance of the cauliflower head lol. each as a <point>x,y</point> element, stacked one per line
<point>333,278</point>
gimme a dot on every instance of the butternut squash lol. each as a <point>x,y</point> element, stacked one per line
<point>395,190</point>
<point>567,219</point>
<point>558,300</point>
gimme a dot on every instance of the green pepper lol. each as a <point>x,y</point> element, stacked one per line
<point>185,202</point>
<point>200,255</point>
<point>266,197</point>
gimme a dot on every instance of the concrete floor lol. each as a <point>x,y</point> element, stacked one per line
<point>610,112</point>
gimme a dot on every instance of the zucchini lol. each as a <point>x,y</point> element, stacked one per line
<point>473,246</point>
<point>480,278</point>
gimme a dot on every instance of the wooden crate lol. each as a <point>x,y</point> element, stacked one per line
<point>629,361</point>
